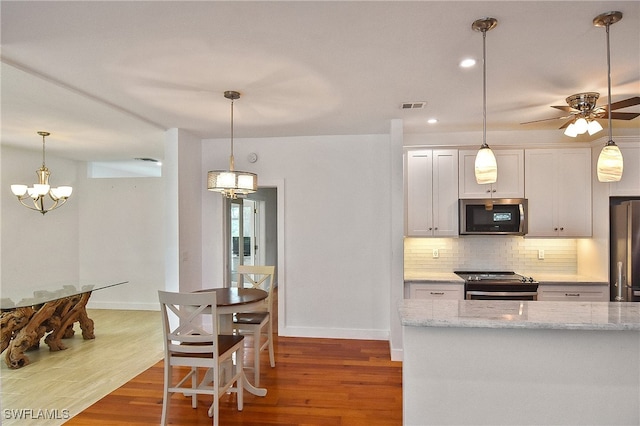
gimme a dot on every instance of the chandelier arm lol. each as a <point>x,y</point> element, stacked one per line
<point>21,199</point>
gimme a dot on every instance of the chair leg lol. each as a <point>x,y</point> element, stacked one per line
<point>240,381</point>
<point>194,385</point>
<point>272,357</point>
<point>256,357</point>
<point>165,398</point>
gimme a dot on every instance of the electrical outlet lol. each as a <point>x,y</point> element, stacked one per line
<point>540,254</point>
<point>436,254</point>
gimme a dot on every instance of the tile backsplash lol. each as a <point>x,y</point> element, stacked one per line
<point>517,254</point>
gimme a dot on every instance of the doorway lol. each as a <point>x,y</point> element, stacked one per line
<point>252,230</point>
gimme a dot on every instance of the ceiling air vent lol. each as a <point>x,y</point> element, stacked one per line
<point>413,105</point>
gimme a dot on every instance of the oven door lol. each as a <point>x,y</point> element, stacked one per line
<point>501,295</point>
<point>496,290</point>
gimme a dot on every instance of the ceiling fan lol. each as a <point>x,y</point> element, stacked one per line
<point>583,105</point>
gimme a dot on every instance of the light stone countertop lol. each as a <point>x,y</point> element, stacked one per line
<point>516,314</point>
<point>438,277</point>
<point>546,279</point>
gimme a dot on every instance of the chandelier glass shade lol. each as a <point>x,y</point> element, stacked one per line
<point>486,166</point>
<point>41,196</point>
<point>610,163</point>
<point>232,183</point>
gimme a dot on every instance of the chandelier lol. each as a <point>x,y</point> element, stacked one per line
<point>486,167</point>
<point>610,163</point>
<point>232,183</point>
<point>41,190</point>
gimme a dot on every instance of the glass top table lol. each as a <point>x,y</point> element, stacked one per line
<point>38,295</point>
<point>52,310</point>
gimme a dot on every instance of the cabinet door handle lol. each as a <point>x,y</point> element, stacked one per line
<point>493,190</point>
<point>430,229</point>
<point>436,228</point>
<point>555,229</point>
<point>437,293</point>
<point>572,294</point>
<point>487,191</point>
<point>562,228</point>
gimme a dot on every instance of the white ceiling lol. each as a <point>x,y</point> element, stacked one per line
<point>107,78</point>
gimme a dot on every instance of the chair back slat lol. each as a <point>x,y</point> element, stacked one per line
<point>189,321</point>
<point>260,277</point>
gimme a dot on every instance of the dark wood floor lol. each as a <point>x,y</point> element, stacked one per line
<point>315,382</point>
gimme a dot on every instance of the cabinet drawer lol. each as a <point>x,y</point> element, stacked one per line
<point>436,291</point>
<point>591,293</point>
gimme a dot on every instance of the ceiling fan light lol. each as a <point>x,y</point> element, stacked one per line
<point>571,131</point>
<point>581,125</point>
<point>486,166</point>
<point>594,127</point>
<point>610,163</point>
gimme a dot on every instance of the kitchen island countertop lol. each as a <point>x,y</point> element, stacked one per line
<point>504,362</point>
<point>520,314</point>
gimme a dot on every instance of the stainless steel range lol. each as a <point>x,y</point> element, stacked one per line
<point>498,285</point>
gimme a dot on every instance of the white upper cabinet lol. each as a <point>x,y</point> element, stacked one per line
<point>510,183</point>
<point>629,185</point>
<point>558,187</point>
<point>431,192</point>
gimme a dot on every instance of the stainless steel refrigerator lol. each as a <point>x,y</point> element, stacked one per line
<point>624,265</point>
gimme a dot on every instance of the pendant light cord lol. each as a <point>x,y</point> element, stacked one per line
<point>231,160</point>
<point>484,88</point>
<point>609,83</point>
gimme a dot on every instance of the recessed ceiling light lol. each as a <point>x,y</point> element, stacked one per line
<point>467,63</point>
<point>432,120</point>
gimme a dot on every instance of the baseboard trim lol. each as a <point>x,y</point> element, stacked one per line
<point>334,333</point>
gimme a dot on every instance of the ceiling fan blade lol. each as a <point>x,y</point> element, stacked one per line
<point>624,115</point>
<point>549,119</point>
<point>563,108</point>
<point>565,125</point>
<point>626,103</point>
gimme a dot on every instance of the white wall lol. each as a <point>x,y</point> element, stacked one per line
<point>337,234</point>
<point>109,230</point>
<point>121,239</point>
<point>37,249</point>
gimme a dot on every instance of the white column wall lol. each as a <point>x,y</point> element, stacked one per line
<point>337,234</point>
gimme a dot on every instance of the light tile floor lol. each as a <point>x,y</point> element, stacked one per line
<point>126,343</point>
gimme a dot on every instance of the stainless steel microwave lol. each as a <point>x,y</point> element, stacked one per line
<point>498,216</point>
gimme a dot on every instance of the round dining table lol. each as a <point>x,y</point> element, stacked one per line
<point>230,300</point>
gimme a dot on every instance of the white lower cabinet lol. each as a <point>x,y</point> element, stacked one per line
<point>435,291</point>
<point>573,292</point>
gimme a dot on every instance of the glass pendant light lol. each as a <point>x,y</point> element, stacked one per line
<point>610,163</point>
<point>486,166</point>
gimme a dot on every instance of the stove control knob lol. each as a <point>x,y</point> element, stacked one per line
<point>531,279</point>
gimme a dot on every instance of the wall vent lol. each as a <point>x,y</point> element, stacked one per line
<point>413,105</point>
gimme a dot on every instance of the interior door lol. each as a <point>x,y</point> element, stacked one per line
<point>243,225</point>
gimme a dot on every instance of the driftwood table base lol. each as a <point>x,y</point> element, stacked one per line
<point>23,328</point>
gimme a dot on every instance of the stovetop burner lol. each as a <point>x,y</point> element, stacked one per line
<point>495,277</point>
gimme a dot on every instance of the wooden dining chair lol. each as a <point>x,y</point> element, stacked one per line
<point>188,320</point>
<point>259,323</point>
